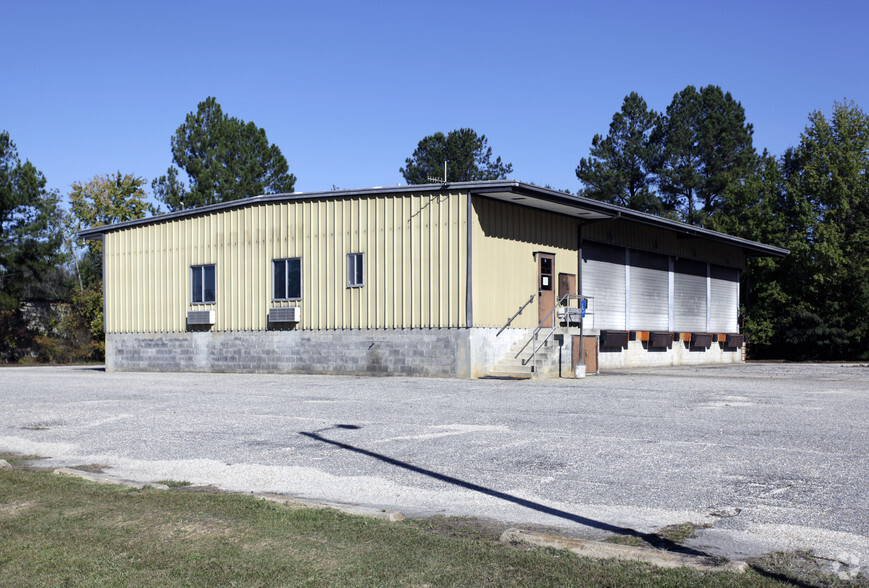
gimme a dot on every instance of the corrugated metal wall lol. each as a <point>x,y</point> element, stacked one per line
<point>415,274</point>
<point>505,237</point>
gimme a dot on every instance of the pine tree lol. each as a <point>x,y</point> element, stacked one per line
<point>224,158</point>
<point>619,168</point>
<point>468,157</point>
<point>706,149</point>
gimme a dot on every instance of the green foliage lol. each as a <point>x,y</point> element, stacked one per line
<point>694,153</point>
<point>30,232</point>
<point>814,201</point>
<point>706,148</point>
<point>102,201</point>
<point>16,339</point>
<point>83,325</point>
<point>468,155</point>
<point>224,158</point>
<point>620,167</point>
<point>754,210</point>
<point>827,202</point>
<point>175,483</point>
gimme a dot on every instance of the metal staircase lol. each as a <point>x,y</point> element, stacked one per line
<point>540,355</point>
<point>521,363</point>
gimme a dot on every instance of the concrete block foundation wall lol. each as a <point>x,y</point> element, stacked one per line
<point>638,356</point>
<point>417,352</point>
<point>455,353</point>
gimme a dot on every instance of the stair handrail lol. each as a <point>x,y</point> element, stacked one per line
<point>518,312</point>
<point>533,357</point>
<point>540,325</point>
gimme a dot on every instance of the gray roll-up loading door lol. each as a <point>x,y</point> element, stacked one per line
<point>689,297</point>
<point>603,278</point>
<point>724,310</point>
<point>649,291</point>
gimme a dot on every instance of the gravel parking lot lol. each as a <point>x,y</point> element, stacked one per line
<point>770,456</point>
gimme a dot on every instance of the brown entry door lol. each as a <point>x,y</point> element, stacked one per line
<point>545,287</point>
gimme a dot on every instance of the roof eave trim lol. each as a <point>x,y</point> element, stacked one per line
<point>613,211</point>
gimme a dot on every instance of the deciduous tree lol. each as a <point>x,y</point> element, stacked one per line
<point>104,200</point>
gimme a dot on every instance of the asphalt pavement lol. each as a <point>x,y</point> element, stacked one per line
<point>768,456</point>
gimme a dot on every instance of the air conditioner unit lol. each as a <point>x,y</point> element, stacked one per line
<point>289,314</point>
<point>200,317</point>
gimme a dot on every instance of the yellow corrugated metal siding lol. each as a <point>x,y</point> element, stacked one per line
<point>504,269</point>
<point>415,248</point>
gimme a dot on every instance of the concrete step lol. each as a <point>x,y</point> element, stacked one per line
<point>507,373</point>
<point>511,365</point>
<point>513,361</point>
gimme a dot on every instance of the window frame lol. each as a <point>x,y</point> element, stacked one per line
<point>356,270</point>
<point>286,261</point>
<point>201,268</point>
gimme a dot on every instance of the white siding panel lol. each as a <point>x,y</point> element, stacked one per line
<point>724,311</point>
<point>649,304</point>
<point>689,296</point>
<point>603,278</point>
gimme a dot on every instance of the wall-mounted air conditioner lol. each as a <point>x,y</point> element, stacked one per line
<point>200,317</point>
<point>290,314</point>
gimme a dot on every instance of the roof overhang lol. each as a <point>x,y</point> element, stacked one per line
<point>595,210</point>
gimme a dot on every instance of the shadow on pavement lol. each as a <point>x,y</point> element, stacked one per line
<point>652,538</point>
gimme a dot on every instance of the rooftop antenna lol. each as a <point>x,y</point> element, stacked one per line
<point>440,180</point>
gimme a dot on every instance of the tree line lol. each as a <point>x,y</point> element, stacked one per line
<point>693,162</point>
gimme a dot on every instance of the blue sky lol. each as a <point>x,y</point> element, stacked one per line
<point>347,89</point>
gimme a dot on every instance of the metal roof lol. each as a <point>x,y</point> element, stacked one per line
<point>506,190</point>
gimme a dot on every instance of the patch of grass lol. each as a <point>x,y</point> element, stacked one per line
<point>175,483</point>
<point>19,461</point>
<point>93,468</point>
<point>678,533</point>
<point>631,540</point>
<point>59,530</point>
<point>664,538</point>
<point>464,527</point>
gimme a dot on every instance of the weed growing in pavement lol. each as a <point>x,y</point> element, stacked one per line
<point>175,483</point>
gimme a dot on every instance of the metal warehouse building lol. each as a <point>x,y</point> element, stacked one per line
<point>462,280</point>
